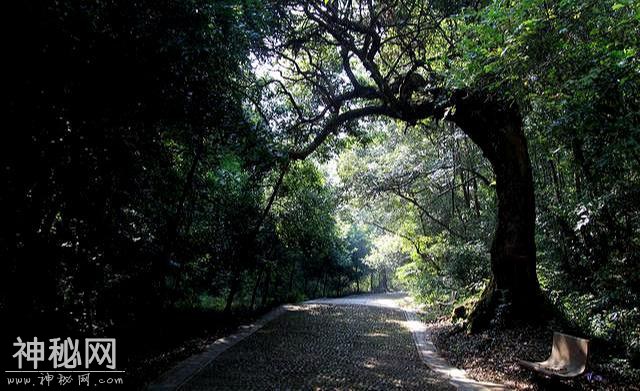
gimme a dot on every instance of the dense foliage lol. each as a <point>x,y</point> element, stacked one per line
<point>573,69</point>
<point>136,180</point>
<point>165,156</point>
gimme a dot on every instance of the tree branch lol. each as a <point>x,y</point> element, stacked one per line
<point>333,124</point>
<point>413,242</point>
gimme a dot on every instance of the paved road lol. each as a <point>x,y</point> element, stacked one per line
<point>319,346</point>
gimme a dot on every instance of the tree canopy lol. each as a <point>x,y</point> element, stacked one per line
<point>189,157</point>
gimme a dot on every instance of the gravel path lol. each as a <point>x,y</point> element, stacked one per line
<point>320,347</point>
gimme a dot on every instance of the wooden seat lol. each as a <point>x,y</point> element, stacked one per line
<point>568,357</point>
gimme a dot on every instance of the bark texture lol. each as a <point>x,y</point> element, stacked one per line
<point>514,290</point>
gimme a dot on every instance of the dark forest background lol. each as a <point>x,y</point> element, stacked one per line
<point>143,194</point>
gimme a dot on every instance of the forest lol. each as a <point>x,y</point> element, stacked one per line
<point>172,169</point>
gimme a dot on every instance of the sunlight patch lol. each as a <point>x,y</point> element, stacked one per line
<point>376,335</point>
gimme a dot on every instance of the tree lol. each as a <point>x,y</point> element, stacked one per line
<point>358,248</point>
<point>386,256</point>
<point>432,191</point>
<point>121,116</point>
<point>345,62</point>
<point>574,68</point>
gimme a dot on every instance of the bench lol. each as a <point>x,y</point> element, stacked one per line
<point>568,357</point>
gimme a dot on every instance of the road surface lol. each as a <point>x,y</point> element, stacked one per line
<point>355,343</point>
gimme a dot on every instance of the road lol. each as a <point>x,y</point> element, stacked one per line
<point>354,343</point>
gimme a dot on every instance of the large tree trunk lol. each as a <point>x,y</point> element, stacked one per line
<point>513,290</point>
